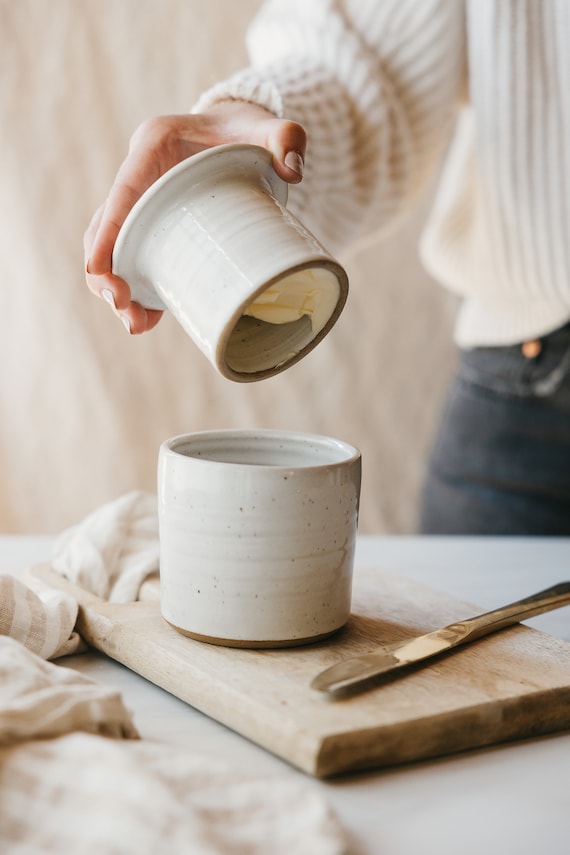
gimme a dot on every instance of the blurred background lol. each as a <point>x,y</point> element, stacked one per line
<point>84,407</point>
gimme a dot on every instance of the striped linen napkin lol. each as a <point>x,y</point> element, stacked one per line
<point>74,774</point>
<point>39,700</point>
<point>44,622</point>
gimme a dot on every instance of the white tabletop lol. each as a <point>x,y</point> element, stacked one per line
<point>508,799</point>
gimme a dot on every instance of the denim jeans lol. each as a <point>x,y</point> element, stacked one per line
<point>501,461</point>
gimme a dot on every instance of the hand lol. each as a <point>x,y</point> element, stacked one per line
<point>156,146</point>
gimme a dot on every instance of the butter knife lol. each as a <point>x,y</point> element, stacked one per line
<point>391,657</point>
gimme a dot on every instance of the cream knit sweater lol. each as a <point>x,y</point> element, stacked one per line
<point>382,86</point>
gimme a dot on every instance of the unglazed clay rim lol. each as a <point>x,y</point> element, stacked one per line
<point>208,164</point>
<point>249,644</point>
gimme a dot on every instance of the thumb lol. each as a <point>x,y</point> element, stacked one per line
<point>241,121</point>
<point>287,141</point>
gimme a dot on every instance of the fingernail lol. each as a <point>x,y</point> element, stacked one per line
<point>294,161</point>
<point>109,297</point>
<point>126,323</point>
<point>87,266</point>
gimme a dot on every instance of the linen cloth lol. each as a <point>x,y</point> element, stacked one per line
<point>113,550</point>
<point>82,793</point>
<point>44,623</point>
<point>74,774</point>
<point>40,700</point>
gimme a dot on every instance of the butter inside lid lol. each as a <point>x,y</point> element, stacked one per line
<point>313,292</point>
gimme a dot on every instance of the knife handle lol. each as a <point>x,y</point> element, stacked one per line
<point>537,604</point>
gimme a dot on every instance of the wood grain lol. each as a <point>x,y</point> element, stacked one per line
<point>511,685</point>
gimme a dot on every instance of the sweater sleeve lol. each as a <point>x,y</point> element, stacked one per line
<point>375,83</point>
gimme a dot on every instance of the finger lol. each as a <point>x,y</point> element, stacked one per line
<point>121,199</point>
<point>152,318</point>
<point>112,289</point>
<point>241,122</point>
<point>115,291</point>
<point>136,319</point>
<point>91,231</point>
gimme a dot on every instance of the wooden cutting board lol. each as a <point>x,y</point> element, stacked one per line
<point>510,685</point>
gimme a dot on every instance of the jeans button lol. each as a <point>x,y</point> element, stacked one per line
<point>531,349</point>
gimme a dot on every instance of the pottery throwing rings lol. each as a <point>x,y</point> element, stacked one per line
<point>257,535</point>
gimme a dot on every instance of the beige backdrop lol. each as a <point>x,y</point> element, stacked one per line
<point>84,407</point>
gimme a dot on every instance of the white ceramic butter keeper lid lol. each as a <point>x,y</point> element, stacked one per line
<point>213,242</point>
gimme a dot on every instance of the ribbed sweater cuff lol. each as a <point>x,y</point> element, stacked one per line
<point>246,85</point>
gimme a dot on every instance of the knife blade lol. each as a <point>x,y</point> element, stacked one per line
<point>392,657</point>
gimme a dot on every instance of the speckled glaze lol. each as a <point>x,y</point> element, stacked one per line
<point>257,535</point>
<point>205,240</point>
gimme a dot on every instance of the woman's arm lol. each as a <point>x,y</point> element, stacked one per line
<point>372,85</point>
<point>156,146</point>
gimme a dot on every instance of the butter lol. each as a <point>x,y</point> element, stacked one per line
<point>313,292</point>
